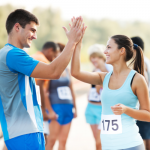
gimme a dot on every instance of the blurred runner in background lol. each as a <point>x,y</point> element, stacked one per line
<point>144,127</point>
<point>61,104</point>
<point>94,107</point>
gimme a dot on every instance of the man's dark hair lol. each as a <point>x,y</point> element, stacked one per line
<point>137,40</point>
<point>20,16</point>
<point>48,45</point>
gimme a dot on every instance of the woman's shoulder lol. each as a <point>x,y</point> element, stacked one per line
<point>138,79</point>
<point>103,75</point>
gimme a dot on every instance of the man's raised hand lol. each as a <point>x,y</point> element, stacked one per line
<point>76,31</point>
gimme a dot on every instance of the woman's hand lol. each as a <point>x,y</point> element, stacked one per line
<point>119,109</point>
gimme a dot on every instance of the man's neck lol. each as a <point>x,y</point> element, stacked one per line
<point>14,42</point>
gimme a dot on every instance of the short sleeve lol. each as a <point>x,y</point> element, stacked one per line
<point>18,60</point>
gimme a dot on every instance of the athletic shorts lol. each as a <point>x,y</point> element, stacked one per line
<point>64,112</point>
<point>93,114</point>
<point>33,141</point>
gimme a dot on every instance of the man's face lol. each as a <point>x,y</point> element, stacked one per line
<point>27,34</point>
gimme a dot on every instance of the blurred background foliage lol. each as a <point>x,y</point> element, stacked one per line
<point>98,31</point>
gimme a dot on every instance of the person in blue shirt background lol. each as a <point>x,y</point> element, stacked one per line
<point>20,105</point>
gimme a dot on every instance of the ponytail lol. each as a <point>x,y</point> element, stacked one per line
<point>139,60</point>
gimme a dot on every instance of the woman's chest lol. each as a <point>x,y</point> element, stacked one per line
<point>113,97</point>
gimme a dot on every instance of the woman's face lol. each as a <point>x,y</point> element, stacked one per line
<point>112,52</point>
<point>96,61</point>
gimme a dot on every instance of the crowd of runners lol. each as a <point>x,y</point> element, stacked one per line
<point>37,100</point>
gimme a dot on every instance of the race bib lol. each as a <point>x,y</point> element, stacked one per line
<point>93,95</point>
<point>111,124</point>
<point>64,93</point>
<point>38,95</point>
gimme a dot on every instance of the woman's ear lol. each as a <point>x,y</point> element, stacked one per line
<point>122,50</point>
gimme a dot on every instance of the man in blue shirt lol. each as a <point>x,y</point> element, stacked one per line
<point>20,115</point>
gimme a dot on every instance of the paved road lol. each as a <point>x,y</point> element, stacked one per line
<point>80,137</point>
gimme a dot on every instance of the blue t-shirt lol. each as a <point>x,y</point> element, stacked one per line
<point>20,112</point>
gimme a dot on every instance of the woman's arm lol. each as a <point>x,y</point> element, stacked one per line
<point>139,87</point>
<point>73,97</point>
<point>88,77</point>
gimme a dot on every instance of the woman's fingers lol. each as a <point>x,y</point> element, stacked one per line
<point>85,28</point>
<point>117,112</point>
<point>116,107</point>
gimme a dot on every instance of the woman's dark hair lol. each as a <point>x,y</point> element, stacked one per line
<point>126,42</point>
<point>20,16</point>
<point>61,46</point>
<point>137,40</point>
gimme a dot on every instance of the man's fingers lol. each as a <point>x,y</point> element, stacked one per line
<point>80,23</point>
<point>65,29</point>
<point>72,19</point>
<point>70,25</point>
<point>75,22</point>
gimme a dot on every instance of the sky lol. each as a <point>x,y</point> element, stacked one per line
<point>124,10</point>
